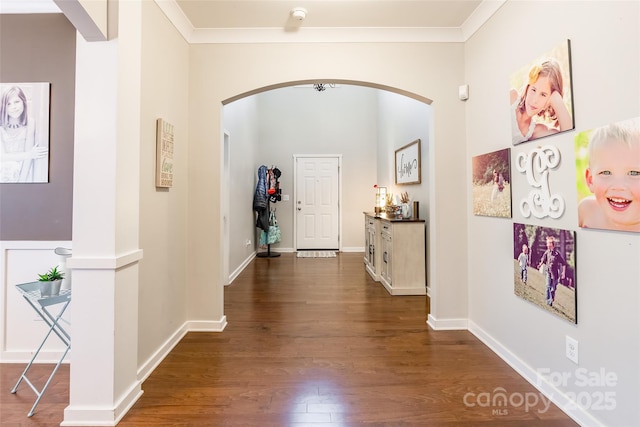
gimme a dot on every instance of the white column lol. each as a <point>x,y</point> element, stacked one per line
<point>104,264</point>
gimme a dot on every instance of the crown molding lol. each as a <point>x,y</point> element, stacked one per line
<point>479,16</point>
<point>327,35</point>
<point>293,35</point>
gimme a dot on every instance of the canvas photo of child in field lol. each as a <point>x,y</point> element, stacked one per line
<point>544,268</point>
<point>492,184</point>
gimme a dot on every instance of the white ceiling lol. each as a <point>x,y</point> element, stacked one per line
<point>237,21</point>
<point>327,14</point>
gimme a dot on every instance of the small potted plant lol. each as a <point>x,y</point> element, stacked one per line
<point>50,282</point>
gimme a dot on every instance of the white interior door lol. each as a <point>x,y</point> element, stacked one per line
<point>317,202</point>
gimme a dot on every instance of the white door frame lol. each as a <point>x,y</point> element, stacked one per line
<point>295,194</point>
<point>225,182</point>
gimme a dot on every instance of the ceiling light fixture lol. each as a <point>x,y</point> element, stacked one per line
<point>299,13</point>
<point>321,87</point>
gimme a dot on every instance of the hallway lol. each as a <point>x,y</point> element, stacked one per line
<point>315,342</point>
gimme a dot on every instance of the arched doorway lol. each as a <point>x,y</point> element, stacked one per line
<point>364,121</point>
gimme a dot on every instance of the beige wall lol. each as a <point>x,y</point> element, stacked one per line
<point>432,71</point>
<point>362,124</point>
<point>163,212</point>
<point>605,50</point>
<point>180,229</point>
<point>340,121</point>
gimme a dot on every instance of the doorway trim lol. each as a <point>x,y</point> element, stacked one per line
<point>225,182</point>
<point>329,81</point>
<point>295,194</point>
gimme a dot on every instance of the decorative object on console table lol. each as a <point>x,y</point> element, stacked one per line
<point>50,282</point>
<point>407,164</point>
<point>391,207</point>
<point>381,199</point>
<point>406,209</point>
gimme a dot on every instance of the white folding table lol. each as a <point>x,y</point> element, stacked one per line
<point>42,306</point>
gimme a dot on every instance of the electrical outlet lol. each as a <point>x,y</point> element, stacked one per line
<point>572,349</point>
<point>247,242</point>
<point>285,197</point>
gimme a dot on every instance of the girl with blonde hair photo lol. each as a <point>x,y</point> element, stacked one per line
<point>541,106</point>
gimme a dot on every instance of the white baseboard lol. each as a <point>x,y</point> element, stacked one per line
<point>555,395</point>
<point>152,363</point>
<point>234,275</point>
<point>78,416</point>
<point>447,324</point>
<point>207,326</point>
<point>91,416</point>
<point>190,326</point>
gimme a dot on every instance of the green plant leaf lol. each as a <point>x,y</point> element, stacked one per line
<point>51,275</point>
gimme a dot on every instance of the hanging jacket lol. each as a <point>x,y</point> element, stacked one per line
<point>275,192</point>
<point>261,200</point>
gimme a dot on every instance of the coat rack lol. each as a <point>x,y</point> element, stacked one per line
<point>267,191</point>
<point>268,253</point>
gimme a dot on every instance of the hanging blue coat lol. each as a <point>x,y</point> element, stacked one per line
<point>261,200</point>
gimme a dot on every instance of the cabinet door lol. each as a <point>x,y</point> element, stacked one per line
<point>387,248</point>
<point>367,242</point>
<point>371,246</point>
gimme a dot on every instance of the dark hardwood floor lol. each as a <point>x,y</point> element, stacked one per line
<point>315,342</point>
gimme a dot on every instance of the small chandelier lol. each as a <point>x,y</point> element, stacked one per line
<point>321,87</point>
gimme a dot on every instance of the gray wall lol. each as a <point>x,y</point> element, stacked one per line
<point>361,124</point>
<point>240,120</point>
<point>342,121</point>
<point>41,48</point>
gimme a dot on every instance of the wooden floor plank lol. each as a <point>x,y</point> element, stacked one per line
<point>316,342</point>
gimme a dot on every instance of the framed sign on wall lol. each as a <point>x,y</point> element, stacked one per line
<point>407,164</point>
<point>164,154</point>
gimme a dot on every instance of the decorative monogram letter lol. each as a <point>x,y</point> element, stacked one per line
<point>536,165</point>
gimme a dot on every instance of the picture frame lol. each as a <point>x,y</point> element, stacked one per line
<point>553,291</point>
<point>164,154</point>
<point>25,130</point>
<point>607,154</point>
<point>408,164</point>
<point>491,184</point>
<point>535,88</point>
